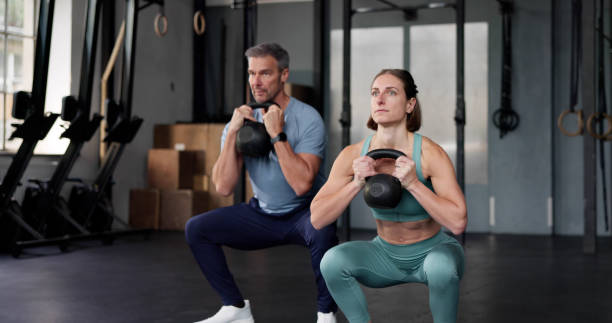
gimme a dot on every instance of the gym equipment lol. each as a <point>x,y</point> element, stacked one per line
<point>42,204</point>
<point>383,191</point>
<point>505,118</point>
<point>89,205</point>
<point>252,139</point>
<point>36,125</point>
<point>160,17</point>
<point>199,23</point>
<point>575,62</point>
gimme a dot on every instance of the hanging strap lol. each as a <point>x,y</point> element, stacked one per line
<point>575,60</point>
<point>504,118</point>
<point>576,53</point>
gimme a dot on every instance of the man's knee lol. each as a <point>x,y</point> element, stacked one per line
<point>191,230</point>
<point>324,238</point>
<point>196,228</point>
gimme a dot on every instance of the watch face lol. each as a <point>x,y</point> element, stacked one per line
<point>281,137</point>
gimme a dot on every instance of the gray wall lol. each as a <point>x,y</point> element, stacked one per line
<point>526,167</point>
<point>162,90</point>
<point>529,165</point>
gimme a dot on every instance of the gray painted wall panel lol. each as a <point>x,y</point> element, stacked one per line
<point>520,164</point>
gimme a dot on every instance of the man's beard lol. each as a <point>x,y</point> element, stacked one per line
<point>268,98</point>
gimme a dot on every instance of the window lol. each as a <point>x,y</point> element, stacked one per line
<point>433,66</point>
<point>18,27</point>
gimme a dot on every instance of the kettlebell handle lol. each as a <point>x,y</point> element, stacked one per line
<point>264,105</point>
<point>385,153</point>
<point>248,121</point>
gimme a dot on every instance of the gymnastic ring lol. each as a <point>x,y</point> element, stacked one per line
<point>580,123</point>
<point>199,23</point>
<point>590,125</point>
<point>164,20</point>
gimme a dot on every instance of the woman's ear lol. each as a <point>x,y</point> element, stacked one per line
<point>410,104</point>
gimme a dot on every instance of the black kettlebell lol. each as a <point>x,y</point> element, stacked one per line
<point>252,139</point>
<point>383,191</point>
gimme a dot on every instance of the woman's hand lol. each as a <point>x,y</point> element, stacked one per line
<point>405,171</point>
<point>363,167</point>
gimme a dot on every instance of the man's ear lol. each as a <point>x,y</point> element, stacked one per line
<point>284,75</point>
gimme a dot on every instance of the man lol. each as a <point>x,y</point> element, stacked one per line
<point>284,182</point>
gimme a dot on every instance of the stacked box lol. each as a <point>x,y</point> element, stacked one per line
<point>173,169</point>
<point>177,206</point>
<point>144,208</point>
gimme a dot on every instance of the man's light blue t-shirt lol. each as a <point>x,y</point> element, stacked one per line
<point>306,134</point>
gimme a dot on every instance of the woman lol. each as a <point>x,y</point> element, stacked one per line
<point>410,246</point>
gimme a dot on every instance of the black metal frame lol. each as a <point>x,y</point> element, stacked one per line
<point>36,123</point>
<point>589,86</point>
<point>81,129</point>
<point>410,13</point>
<point>120,134</point>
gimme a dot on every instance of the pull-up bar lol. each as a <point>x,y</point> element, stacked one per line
<point>409,11</point>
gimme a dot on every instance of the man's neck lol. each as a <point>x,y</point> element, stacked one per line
<point>282,99</point>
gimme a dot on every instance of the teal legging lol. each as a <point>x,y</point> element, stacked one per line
<point>437,262</point>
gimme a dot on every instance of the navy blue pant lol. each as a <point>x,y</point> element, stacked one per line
<point>248,227</point>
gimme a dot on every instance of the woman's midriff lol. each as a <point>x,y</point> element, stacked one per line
<point>406,232</point>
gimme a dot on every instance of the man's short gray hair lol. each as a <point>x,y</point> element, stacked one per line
<point>270,49</point>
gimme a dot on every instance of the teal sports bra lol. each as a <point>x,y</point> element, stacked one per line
<point>408,209</point>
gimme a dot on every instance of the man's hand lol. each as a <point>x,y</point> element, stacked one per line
<point>240,113</point>
<point>274,120</point>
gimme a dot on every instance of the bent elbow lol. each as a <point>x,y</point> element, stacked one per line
<point>223,190</point>
<point>316,223</point>
<point>315,218</point>
<point>460,225</point>
<point>300,190</point>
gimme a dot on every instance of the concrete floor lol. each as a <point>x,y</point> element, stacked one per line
<point>507,279</point>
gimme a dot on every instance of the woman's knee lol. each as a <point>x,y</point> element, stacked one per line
<point>333,264</point>
<point>443,266</point>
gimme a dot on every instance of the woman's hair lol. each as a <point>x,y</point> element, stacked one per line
<point>413,119</point>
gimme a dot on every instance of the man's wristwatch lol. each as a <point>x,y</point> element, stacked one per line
<point>281,137</point>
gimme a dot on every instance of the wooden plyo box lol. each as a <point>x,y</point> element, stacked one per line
<point>173,169</point>
<point>191,136</point>
<point>144,208</point>
<point>178,206</point>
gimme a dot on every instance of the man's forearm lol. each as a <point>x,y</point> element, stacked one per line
<point>298,172</point>
<point>227,167</point>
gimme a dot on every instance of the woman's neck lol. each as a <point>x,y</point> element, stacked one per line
<point>392,137</point>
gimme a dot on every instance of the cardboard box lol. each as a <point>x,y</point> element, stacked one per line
<point>173,169</point>
<point>178,206</point>
<point>144,208</point>
<point>191,136</point>
<point>201,182</point>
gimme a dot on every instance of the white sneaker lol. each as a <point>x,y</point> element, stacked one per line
<point>233,314</point>
<point>326,317</point>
